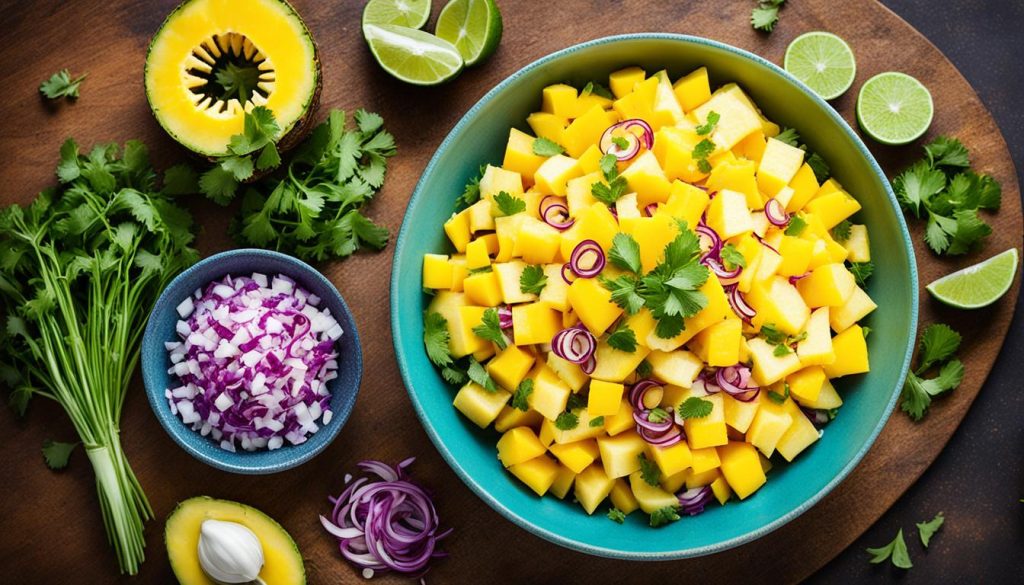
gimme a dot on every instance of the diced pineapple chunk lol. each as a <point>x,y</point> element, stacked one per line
<point>646,178</point>
<point>620,454</point>
<point>496,179</point>
<point>551,177</point>
<point>555,293</point>
<point>737,176</point>
<point>851,353</point>
<point>508,274</point>
<point>621,421</point>
<point>816,347</point>
<point>604,398</point>
<point>737,118</point>
<point>827,285</point>
<point>437,271</point>
<point>805,186</point>
<point>510,418</point>
<point>768,367</point>
<point>550,394</point>
<point>535,323</point>
<point>651,498</point>
<point>483,289</point>
<point>623,81</point>
<point>719,344</point>
<point>779,165</point>
<point>858,306</point>
<point>741,467</point>
<point>583,430</point>
<point>739,414</point>
<point>450,305</point>
<point>584,131</point>
<point>752,147</point>
<point>827,398</point>
<point>614,365</point>
<point>728,214</point>
<point>673,459</point>
<point>800,434</point>
<point>779,302</point>
<point>457,229</point>
<point>593,303</point>
<point>710,430</point>
<point>538,473</point>
<point>517,445</point>
<point>770,423</point>
<point>510,367</point>
<point>833,208</point>
<point>857,244</point>
<point>679,367</point>
<point>721,489</point>
<point>667,110</point>
<point>806,384</point>
<point>479,405</point>
<point>576,456</point>
<point>592,487</point>
<point>622,497</point>
<point>563,481</point>
<point>705,460</point>
<point>569,372</point>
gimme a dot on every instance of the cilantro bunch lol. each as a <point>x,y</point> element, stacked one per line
<point>938,344</point>
<point>80,270</point>
<point>669,291</point>
<point>942,189</point>
<point>260,132</point>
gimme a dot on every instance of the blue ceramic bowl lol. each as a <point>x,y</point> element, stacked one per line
<point>155,361</point>
<point>480,137</point>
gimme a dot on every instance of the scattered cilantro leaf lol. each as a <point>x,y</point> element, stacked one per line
<point>61,85</point>
<point>575,402</point>
<point>928,529</point>
<point>701,152</point>
<point>765,15</point>
<point>625,253</point>
<point>938,344</point>
<point>532,280</point>
<point>796,226</point>
<point>436,339</point>
<point>56,454</point>
<point>772,334</point>
<point>947,152</point>
<point>895,551</point>
<point>479,376</point>
<point>567,421</point>
<point>546,147</point>
<point>862,271</point>
<point>644,369</point>
<point>709,125</point>
<point>471,193</point>
<point>649,470</point>
<point>781,350</point>
<point>789,136</point>
<point>616,515</point>
<point>508,204</point>
<point>623,338</point>
<point>695,407</point>
<point>658,414</point>
<point>522,393</point>
<point>490,328</point>
<point>663,516</point>
<point>597,421</point>
<point>732,257</point>
<point>821,169</point>
<point>181,179</point>
<point>625,292</point>
<point>841,232</point>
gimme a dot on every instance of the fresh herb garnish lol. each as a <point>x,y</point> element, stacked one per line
<point>928,529</point>
<point>649,470</point>
<point>779,398</point>
<point>616,515</point>
<point>61,85</point>
<point>841,232</point>
<point>625,291</point>
<point>695,407</point>
<point>732,257</point>
<point>259,132</point>
<point>709,124</point>
<point>471,192</point>
<point>508,204</point>
<point>617,185</point>
<point>765,15</point>
<point>522,393</point>
<point>796,226</point>
<point>532,280</point>
<point>479,376</point>
<point>56,454</point>
<point>546,147</point>
<point>701,152</point>
<point>941,189</point>
<point>663,516</point>
<point>620,142</point>
<point>575,402</point>
<point>658,414</point>
<point>644,369</point>
<point>567,421</point>
<point>597,421</point>
<point>435,339</point>
<point>625,253</point>
<point>938,344</point>
<point>596,88</point>
<point>862,271</point>
<point>623,338</point>
<point>780,340</point>
<point>789,136</point>
<point>895,550</point>
<point>490,328</point>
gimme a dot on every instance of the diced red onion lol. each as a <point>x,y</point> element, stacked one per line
<point>651,209</point>
<point>817,416</point>
<point>761,241</point>
<point>574,344</point>
<point>639,391</point>
<point>776,213</point>
<point>555,214</point>
<point>385,524</point>
<point>714,241</point>
<point>645,139</point>
<point>567,274</point>
<point>693,500</point>
<point>739,303</point>
<point>795,279</point>
<point>665,439</point>
<point>583,251</point>
<point>253,362</point>
<point>505,317</point>
<point>735,381</point>
<point>716,266</point>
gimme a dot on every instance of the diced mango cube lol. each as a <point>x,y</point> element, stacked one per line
<point>483,289</point>
<point>651,498</point>
<point>457,229</point>
<point>796,256</point>
<point>739,414</point>
<point>620,454</point>
<point>768,367</point>
<point>710,430</point>
<point>827,398</point>
<point>584,131</point>
<point>519,155</point>
<point>805,186</point>
<point>576,456</point>
<point>547,125</point>
<point>578,193</point>
<point>779,302</point>
<point>622,81</point>
<point>449,305</point>
<point>770,423</point>
<point>693,89</point>
<point>569,372</point>
<point>737,117</point>
<point>563,482</point>
<point>696,480</point>
<point>554,173</point>
<point>673,148</point>
<point>592,487</point>
<point>858,306</point>
<point>646,178</point>
<point>851,353</point>
<point>737,176</point>
<point>639,103</point>
<point>686,203</point>
<point>721,489</point>
<point>510,367</point>
<point>806,384</point>
<point>437,271</point>
<point>537,242</point>
<point>538,473</point>
<point>833,208</point>
<point>705,460</point>
<point>621,421</point>
<point>559,99</point>
<point>604,398</point>
<point>752,147</point>
<point>518,445</point>
<point>779,165</point>
<point>827,285</point>
<point>535,323</point>
<point>622,497</point>
<point>593,303</point>
<point>800,434</point>
<point>679,367</point>
<point>479,405</point>
<point>550,394</point>
<point>582,431</point>
<point>728,214</point>
<point>510,418</point>
<point>614,365</point>
<point>673,483</point>
<point>673,459</point>
<point>476,255</point>
<point>719,344</point>
<point>590,160</point>
<point>816,347</point>
<point>741,467</point>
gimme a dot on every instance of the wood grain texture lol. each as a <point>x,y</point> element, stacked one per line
<point>52,530</point>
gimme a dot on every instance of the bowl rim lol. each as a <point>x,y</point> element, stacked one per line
<point>571,543</point>
<point>305,451</point>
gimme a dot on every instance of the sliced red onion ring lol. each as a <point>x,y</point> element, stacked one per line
<point>645,139</point>
<point>735,381</point>
<point>639,390</point>
<point>761,241</point>
<point>776,213</point>
<point>567,268</point>
<point>505,317</point>
<point>642,418</point>
<point>692,501</point>
<point>719,269</point>
<point>574,344</point>
<point>713,239</point>
<point>739,304</point>
<point>651,209</point>
<point>581,253</point>
<point>555,214</point>
<point>666,439</point>
<point>589,366</point>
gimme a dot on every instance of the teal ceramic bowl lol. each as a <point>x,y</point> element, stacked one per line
<point>791,489</point>
<point>161,328</point>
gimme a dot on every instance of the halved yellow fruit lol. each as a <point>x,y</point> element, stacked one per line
<point>213,60</point>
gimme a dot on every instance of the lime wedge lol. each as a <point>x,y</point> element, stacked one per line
<point>412,55</point>
<point>894,108</point>
<point>410,13</point>
<point>473,26</point>
<point>979,285</point>
<point>823,61</point>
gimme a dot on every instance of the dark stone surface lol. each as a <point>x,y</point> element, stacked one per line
<point>978,480</point>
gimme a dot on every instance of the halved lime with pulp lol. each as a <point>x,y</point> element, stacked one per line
<point>979,285</point>
<point>823,61</point>
<point>412,55</point>
<point>411,13</point>
<point>894,108</point>
<point>473,26</point>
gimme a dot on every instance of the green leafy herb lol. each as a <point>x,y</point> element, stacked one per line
<point>616,515</point>
<point>663,516</point>
<point>938,344</point>
<point>479,376</point>
<point>644,369</point>
<point>789,136</point>
<point>865,330</point>
<point>779,398</point>
<point>508,204</point>
<point>616,184</point>
<point>567,421</point>
<point>625,292</point>
<point>237,81</point>
<point>701,152</point>
<point>490,328</point>
<point>546,147</point>
<point>181,179</point>
<point>939,189</point>
<point>695,407</point>
<point>471,193</point>
<point>620,142</point>
<point>597,421</point>
<point>658,415</point>
<point>80,270</point>
<point>796,226</point>
<point>625,253</point>
<point>732,257</point>
<point>781,350</point>
<point>862,271</point>
<point>709,124</point>
<point>56,454</point>
<point>623,338</point>
<point>481,270</point>
<point>772,335</point>
<point>522,393</point>
<point>649,470</point>
<point>575,402</point>
<point>61,85</point>
<point>765,15</point>
<point>817,163</point>
<point>596,88</point>
<point>895,550</point>
<point>436,340</point>
<point>841,232</point>
<point>532,280</point>
<point>928,529</point>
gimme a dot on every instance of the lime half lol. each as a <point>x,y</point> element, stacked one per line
<point>412,55</point>
<point>979,285</point>
<point>473,26</point>
<point>894,108</point>
<point>823,61</point>
<point>411,13</point>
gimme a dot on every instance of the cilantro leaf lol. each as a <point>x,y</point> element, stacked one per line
<point>789,136</point>
<point>938,343</point>
<point>454,375</point>
<point>694,407</point>
<point>436,339</point>
<point>218,184</point>
<point>490,328</point>
<point>471,193</point>
<point>546,147</point>
<point>796,226</point>
<point>732,257</point>
<point>522,393</point>
<point>781,350</point>
<point>623,338</point>
<point>616,515</point>
<point>862,271</point>
<point>479,376</point>
<point>841,232</point>
<point>917,185</point>
<point>765,15</point>
<point>821,169</point>
<point>509,205</point>
<point>709,125</point>
<point>947,152</point>
<point>56,454</point>
<point>772,334</point>
<point>567,421</point>
<point>625,292</point>
<point>620,142</point>
<point>181,179</point>
<point>532,280</point>
<point>616,185</point>
<point>970,229</point>
<point>895,550</point>
<point>61,85</point>
<point>625,253</point>
<point>575,402</point>
<point>658,414</point>
<point>701,152</point>
<point>776,397</point>
<point>663,516</point>
<point>597,421</point>
<point>928,529</point>
<point>644,369</point>
<point>596,88</point>
<point>649,470</point>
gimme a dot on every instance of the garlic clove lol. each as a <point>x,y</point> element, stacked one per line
<point>229,552</point>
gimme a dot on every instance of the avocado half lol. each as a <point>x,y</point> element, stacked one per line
<point>282,561</point>
<point>213,60</point>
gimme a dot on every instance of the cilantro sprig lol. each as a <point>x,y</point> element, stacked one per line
<point>695,407</point>
<point>509,204</point>
<point>520,399</point>
<point>926,530</point>
<point>616,184</point>
<point>259,132</point>
<point>471,192</point>
<point>596,88</point>
<point>649,470</point>
<point>862,271</point>
<point>765,15</point>
<point>701,152</point>
<point>436,340</point>
<point>783,343</point>
<point>663,516</point>
<point>490,328</point>
<point>546,147</point>
<point>709,124</point>
<point>532,280</point>
<point>567,421</point>
<point>939,343</point>
<point>732,257</point>
<point>623,338</point>
<point>942,189</point>
<point>895,550</point>
<point>616,515</point>
<point>61,85</point>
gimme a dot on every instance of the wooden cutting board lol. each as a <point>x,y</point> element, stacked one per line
<point>52,529</point>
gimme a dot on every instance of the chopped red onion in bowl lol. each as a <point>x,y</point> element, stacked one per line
<point>253,361</point>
